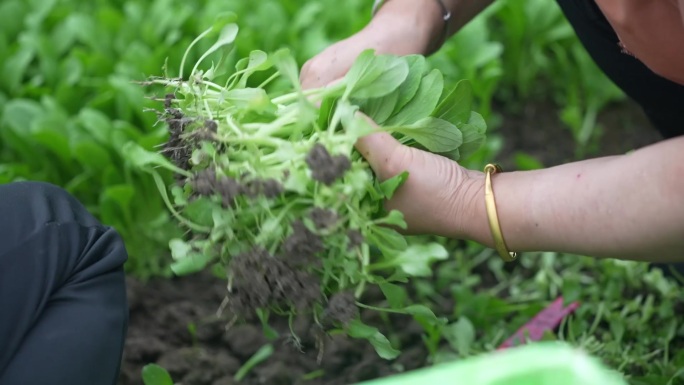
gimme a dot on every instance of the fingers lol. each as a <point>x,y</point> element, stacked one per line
<point>324,68</point>
<point>333,62</point>
<point>382,151</point>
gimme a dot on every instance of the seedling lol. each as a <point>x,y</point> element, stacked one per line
<point>271,188</point>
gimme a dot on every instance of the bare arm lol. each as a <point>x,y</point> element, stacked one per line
<point>400,27</point>
<point>627,207</point>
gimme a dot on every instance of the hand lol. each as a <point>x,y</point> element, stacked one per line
<point>625,207</point>
<point>401,27</point>
<point>438,196</point>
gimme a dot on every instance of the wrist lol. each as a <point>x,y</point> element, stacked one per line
<point>473,223</point>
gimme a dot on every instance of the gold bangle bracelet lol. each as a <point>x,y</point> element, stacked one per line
<point>494,226</point>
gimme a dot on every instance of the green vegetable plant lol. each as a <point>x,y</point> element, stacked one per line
<point>67,103</point>
<point>273,194</point>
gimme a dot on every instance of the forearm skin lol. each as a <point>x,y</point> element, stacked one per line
<point>628,207</point>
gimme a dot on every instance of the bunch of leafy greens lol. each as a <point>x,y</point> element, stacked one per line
<point>272,191</point>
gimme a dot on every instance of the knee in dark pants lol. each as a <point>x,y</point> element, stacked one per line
<point>61,280</point>
<point>28,209</point>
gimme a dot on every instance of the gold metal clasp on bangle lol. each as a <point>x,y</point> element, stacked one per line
<point>494,226</point>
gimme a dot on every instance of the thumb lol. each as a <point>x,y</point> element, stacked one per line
<point>381,150</point>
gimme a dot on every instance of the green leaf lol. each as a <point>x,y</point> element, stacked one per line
<point>145,160</point>
<point>122,194</point>
<point>194,262</point>
<point>454,155</point>
<point>391,185</point>
<point>423,103</point>
<point>50,137</point>
<point>473,134</point>
<point>201,211</point>
<point>254,99</point>
<point>357,329</point>
<point>287,66</point>
<point>416,259</point>
<point>154,374</point>
<point>373,76</point>
<point>456,106</point>
<point>326,110</point>
<point>179,249</point>
<point>354,125</point>
<point>91,155</point>
<point>380,109</point>
<point>226,37</point>
<point>19,115</point>
<point>386,239</point>
<point>422,311</point>
<point>16,66</point>
<point>572,290</point>
<point>394,218</point>
<point>270,333</point>
<point>257,61</point>
<point>408,89</point>
<point>436,135</point>
<point>12,15</point>
<point>96,124</point>
<point>260,356</point>
<point>617,327</point>
<point>396,295</point>
<point>187,259</point>
<point>241,64</point>
<point>374,192</point>
<point>460,335</point>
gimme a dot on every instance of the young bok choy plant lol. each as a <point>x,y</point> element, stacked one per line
<point>272,191</point>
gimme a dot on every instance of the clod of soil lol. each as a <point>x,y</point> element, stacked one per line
<point>175,149</point>
<point>244,340</point>
<point>260,281</point>
<point>323,218</point>
<point>324,167</point>
<point>269,188</point>
<point>204,182</point>
<point>211,125</point>
<point>341,308</point>
<point>301,247</point>
<point>355,238</point>
<point>168,101</point>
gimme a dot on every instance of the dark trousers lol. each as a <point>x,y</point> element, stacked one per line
<point>63,308</point>
<point>662,100</point>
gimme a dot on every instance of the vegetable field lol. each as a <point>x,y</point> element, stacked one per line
<point>260,252</point>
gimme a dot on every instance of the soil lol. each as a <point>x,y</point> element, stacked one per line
<point>174,322</point>
<point>538,132</point>
<point>326,168</point>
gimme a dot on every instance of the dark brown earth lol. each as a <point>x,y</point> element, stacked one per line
<point>261,281</point>
<point>174,323</point>
<point>537,131</point>
<point>325,167</point>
